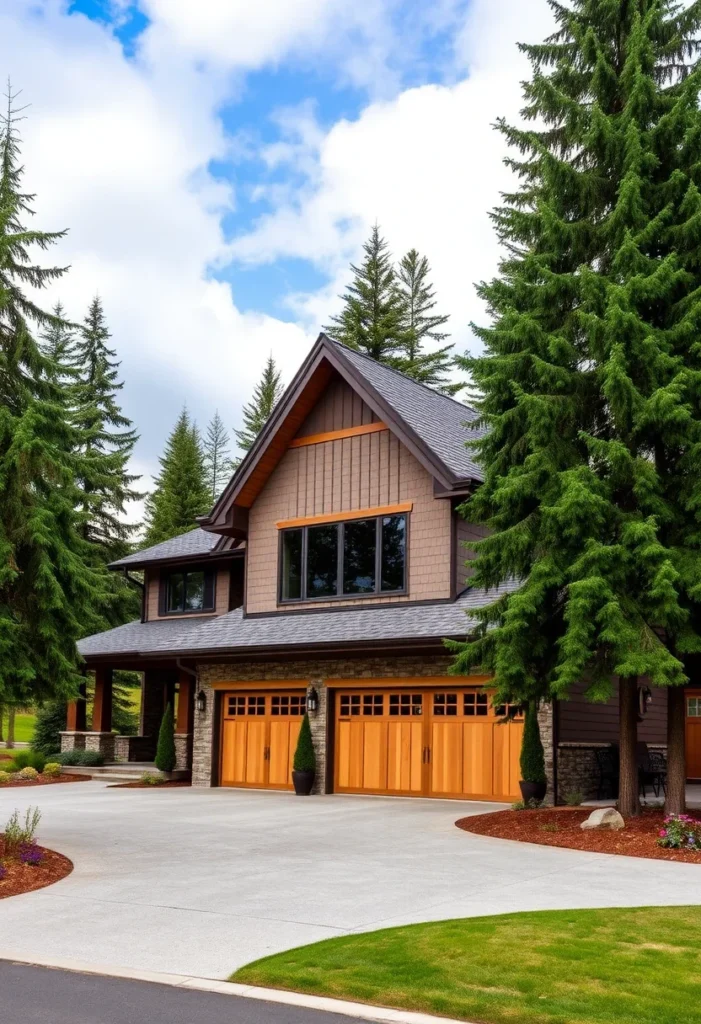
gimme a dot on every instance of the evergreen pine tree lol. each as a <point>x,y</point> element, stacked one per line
<point>165,759</point>
<point>372,317</point>
<point>590,381</point>
<point>217,458</point>
<point>266,395</point>
<point>180,494</point>
<point>421,324</point>
<point>48,591</point>
<point>58,345</point>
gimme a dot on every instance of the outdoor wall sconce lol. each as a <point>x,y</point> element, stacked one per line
<point>312,701</point>
<point>644,701</point>
<point>201,702</point>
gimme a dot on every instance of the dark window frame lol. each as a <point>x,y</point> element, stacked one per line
<point>339,595</point>
<point>209,588</point>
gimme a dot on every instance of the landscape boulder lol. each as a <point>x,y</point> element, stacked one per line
<point>604,817</point>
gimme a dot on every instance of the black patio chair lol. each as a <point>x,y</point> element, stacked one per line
<point>607,762</point>
<point>652,770</point>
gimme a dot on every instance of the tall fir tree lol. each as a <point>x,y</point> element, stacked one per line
<point>372,317</point>
<point>58,345</point>
<point>48,591</point>
<point>180,494</point>
<point>590,380</point>
<point>217,456</point>
<point>422,324</point>
<point>267,393</point>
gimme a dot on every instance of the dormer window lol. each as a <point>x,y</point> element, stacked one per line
<point>188,591</point>
<point>357,558</point>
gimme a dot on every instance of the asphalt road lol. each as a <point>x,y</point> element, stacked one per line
<point>37,995</point>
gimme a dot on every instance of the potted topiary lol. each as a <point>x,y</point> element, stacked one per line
<point>534,781</point>
<point>304,764</point>
<point>165,751</point>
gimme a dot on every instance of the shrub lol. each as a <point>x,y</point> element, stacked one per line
<point>50,723</point>
<point>305,758</point>
<point>574,798</point>
<point>531,805</point>
<point>28,774</point>
<point>532,753</point>
<point>18,834</point>
<point>165,751</point>
<point>52,769</point>
<point>152,779</point>
<point>68,757</point>
<point>91,758</point>
<point>28,759</point>
<point>4,777</point>
<point>680,832</point>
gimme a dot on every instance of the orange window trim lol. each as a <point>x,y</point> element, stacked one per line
<point>337,435</point>
<point>240,686</point>
<point>337,517</point>
<point>413,682</point>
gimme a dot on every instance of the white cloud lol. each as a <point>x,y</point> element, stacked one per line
<point>427,165</point>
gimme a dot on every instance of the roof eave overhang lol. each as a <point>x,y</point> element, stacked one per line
<point>213,556</point>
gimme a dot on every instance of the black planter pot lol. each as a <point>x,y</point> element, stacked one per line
<point>303,782</point>
<point>533,791</point>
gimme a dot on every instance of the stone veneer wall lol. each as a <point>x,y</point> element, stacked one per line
<point>578,769</point>
<point>204,758</point>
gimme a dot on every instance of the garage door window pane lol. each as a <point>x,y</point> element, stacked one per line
<point>322,561</point>
<point>291,565</point>
<point>393,553</point>
<point>359,546</point>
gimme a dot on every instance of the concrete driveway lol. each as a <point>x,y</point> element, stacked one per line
<point>199,882</point>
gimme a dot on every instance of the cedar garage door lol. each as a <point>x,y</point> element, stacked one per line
<point>259,736</point>
<point>426,742</point>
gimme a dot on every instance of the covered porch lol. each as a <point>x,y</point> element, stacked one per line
<point>161,685</point>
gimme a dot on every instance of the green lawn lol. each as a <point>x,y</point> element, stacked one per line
<point>639,966</point>
<point>24,728</point>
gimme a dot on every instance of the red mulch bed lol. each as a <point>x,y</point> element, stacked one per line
<point>147,785</point>
<point>25,877</point>
<point>637,839</point>
<point>44,780</point>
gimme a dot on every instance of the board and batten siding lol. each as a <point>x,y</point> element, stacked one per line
<point>580,721</point>
<point>340,407</point>
<point>153,581</point>
<point>344,475</point>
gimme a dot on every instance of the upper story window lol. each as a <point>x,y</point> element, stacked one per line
<point>361,557</point>
<point>189,590</point>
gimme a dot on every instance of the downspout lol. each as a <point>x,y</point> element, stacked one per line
<point>183,668</point>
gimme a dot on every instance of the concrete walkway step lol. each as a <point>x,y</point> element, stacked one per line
<point>127,772</point>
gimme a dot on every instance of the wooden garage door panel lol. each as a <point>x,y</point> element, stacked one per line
<point>233,769</point>
<point>477,758</point>
<point>446,758</point>
<point>507,748</point>
<point>404,749</point>
<point>255,752</point>
<point>374,755</point>
<point>283,740</point>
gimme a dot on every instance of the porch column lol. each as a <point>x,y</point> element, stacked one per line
<point>73,737</point>
<point>102,701</point>
<point>76,720</point>
<point>184,722</point>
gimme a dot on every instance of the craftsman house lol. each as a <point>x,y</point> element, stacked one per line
<point>325,578</point>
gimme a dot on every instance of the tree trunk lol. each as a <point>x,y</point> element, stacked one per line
<point>628,800</point>
<point>675,801</point>
<point>10,728</point>
<point>2,712</point>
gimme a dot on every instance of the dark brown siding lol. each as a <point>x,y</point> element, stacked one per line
<point>583,722</point>
<point>338,408</point>
<point>466,533</point>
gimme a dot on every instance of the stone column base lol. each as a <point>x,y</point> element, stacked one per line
<point>183,751</point>
<point>72,741</point>
<point>102,741</point>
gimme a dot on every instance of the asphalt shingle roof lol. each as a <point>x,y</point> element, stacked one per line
<point>195,542</point>
<point>232,631</point>
<point>437,419</point>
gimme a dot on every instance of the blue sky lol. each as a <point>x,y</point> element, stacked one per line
<point>218,165</point>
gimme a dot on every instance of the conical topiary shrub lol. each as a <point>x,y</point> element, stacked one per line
<point>165,751</point>
<point>305,758</point>
<point>533,778</point>
<point>304,763</point>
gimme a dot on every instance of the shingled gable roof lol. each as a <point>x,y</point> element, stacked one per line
<point>195,544</point>
<point>431,425</point>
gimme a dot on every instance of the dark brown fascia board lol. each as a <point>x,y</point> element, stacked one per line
<point>271,653</point>
<point>460,489</point>
<point>213,556</point>
<point>324,348</point>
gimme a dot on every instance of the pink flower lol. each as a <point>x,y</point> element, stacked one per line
<point>662,833</point>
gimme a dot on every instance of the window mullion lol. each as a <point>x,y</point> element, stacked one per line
<point>378,555</point>
<point>303,588</point>
<point>340,541</point>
